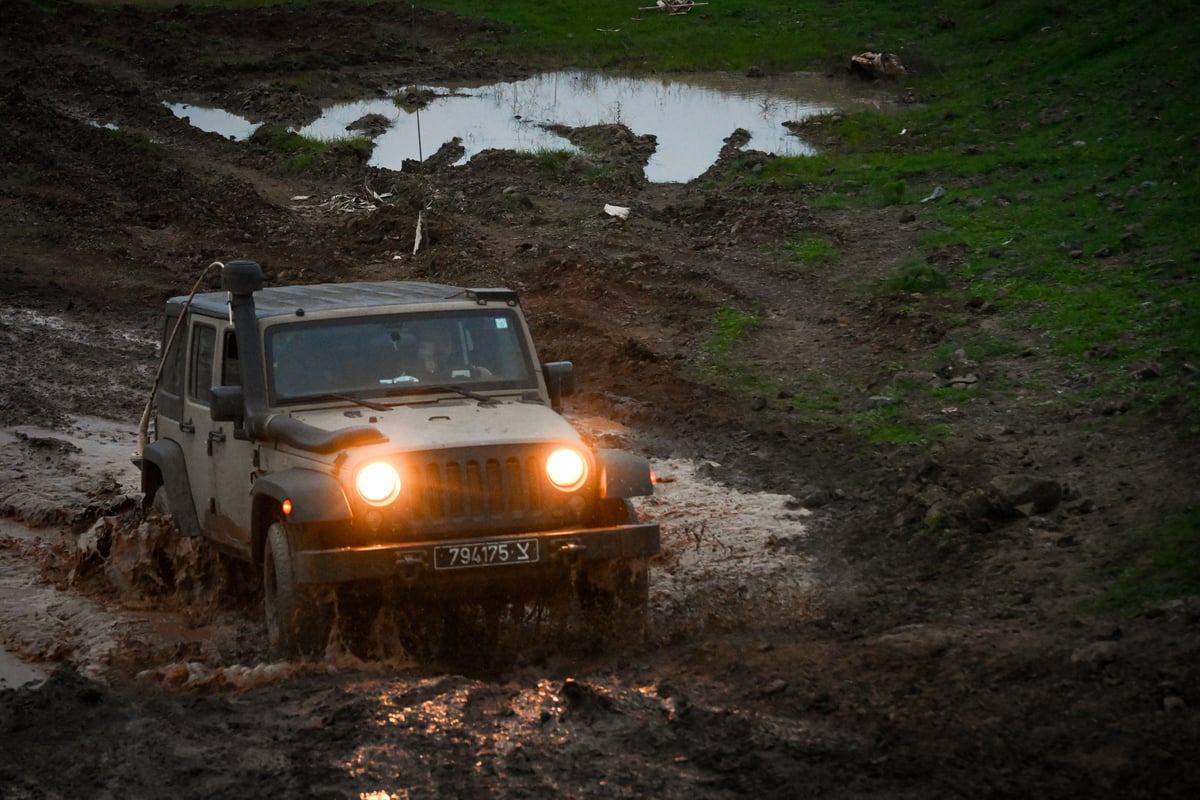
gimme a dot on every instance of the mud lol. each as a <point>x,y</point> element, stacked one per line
<point>812,631</point>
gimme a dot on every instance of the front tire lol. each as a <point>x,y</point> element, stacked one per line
<point>298,621</point>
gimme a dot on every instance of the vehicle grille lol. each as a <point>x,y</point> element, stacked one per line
<point>460,492</point>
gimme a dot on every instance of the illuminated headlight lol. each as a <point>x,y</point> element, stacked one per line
<point>378,483</point>
<point>566,469</point>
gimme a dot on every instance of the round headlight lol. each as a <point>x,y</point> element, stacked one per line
<point>566,469</point>
<point>378,483</point>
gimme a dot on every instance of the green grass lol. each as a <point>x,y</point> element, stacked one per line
<point>729,326</point>
<point>1160,562</point>
<point>301,152</point>
<point>132,141</point>
<point>892,425</point>
<point>917,277</point>
<point>810,252</point>
<point>1064,153</point>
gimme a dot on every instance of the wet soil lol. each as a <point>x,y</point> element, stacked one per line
<point>865,626</point>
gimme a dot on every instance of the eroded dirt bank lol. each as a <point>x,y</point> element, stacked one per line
<point>860,657</point>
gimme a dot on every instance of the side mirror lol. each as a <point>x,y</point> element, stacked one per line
<point>560,381</point>
<point>228,404</point>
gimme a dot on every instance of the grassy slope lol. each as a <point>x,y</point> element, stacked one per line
<point>1072,128</point>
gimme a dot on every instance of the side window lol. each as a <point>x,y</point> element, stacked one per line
<point>200,363</point>
<point>170,386</point>
<point>231,367</point>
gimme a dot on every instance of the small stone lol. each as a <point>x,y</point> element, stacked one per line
<point>1173,704</point>
<point>1146,370</point>
<point>1095,654</point>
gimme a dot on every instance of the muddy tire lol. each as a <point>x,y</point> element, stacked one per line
<point>614,596</point>
<point>298,621</point>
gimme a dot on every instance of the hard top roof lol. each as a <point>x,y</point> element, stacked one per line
<point>314,298</point>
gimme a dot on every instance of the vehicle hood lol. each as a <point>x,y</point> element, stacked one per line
<point>450,423</point>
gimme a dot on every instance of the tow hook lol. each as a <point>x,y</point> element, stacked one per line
<point>410,566</point>
<point>572,551</point>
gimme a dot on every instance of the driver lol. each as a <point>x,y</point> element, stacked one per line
<point>438,357</point>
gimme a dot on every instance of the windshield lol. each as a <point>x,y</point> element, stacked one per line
<point>398,354</point>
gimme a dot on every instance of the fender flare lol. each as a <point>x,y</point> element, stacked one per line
<point>316,496</point>
<point>167,458</point>
<point>624,474</point>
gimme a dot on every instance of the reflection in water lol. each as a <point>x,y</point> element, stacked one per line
<point>690,116</point>
<point>426,724</point>
<point>214,120</point>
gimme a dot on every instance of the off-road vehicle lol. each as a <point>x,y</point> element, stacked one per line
<point>393,434</point>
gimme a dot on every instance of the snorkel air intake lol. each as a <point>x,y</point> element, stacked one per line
<point>242,279</point>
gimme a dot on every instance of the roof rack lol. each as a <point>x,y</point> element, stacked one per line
<point>496,295</point>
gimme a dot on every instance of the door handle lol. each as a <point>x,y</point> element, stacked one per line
<point>187,427</point>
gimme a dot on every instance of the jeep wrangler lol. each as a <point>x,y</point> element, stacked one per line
<point>396,434</point>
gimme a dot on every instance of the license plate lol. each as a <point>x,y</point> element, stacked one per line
<point>485,554</point>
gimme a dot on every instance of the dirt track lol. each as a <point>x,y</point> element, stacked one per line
<point>879,662</point>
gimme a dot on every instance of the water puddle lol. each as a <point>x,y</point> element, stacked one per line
<point>691,115</point>
<point>214,120</point>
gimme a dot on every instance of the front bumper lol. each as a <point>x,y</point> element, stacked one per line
<point>415,561</point>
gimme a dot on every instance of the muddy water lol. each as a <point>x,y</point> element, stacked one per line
<point>691,115</point>
<point>93,592</point>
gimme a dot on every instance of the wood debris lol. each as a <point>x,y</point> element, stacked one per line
<point>672,6</point>
<point>877,65</point>
<point>343,203</point>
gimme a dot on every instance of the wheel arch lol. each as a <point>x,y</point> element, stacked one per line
<point>624,474</point>
<point>163,465</point>
<point>316,497</point>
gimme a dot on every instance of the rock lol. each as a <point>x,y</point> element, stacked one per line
<point>963,381</point>
<point>1095,654</point>
<point>877,65</point>
<point>1024,494</point>
<point>942,514</point>
<point>961,371</point>
<point>920,640</point>
<point>372,125</point>
<point>579,164</point>
<point>1146,370</point>
<point>975,505</point>
<point>814,497</point>
<point>1174,703</point>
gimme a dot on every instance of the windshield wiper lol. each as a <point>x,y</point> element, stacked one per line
<point>320,398</point>
<point>482,398</point>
